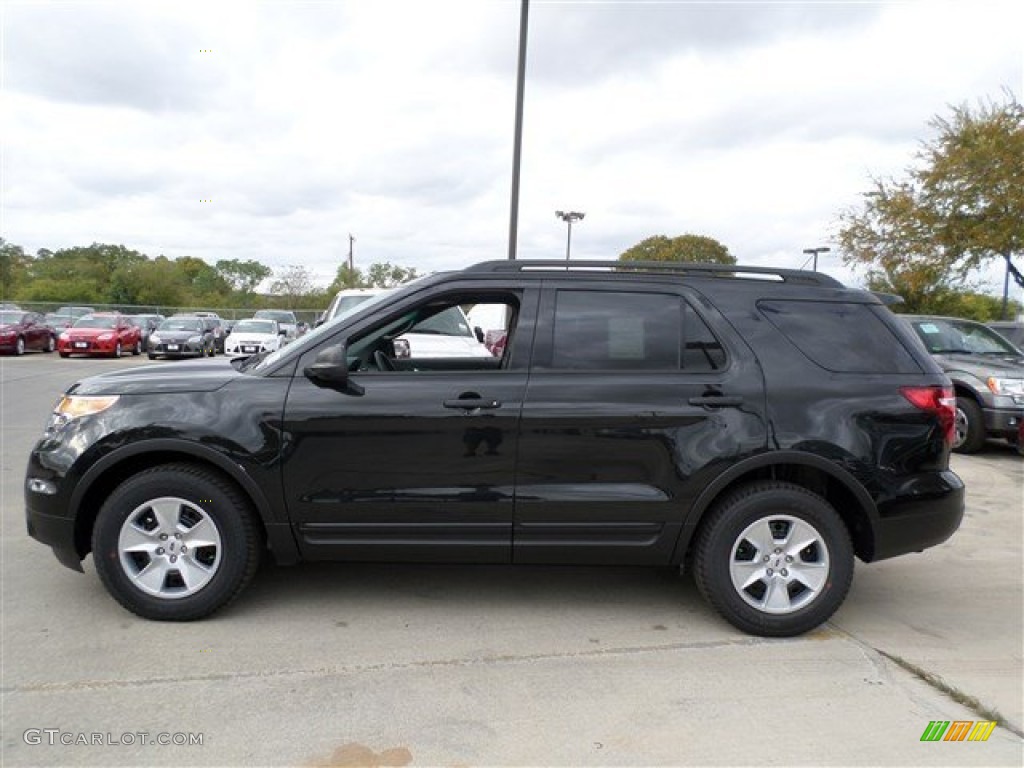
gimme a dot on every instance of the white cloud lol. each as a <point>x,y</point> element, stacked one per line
<point>754,123</point>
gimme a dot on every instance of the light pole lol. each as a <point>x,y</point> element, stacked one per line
<point>815,252</point>
<point>569,217</point>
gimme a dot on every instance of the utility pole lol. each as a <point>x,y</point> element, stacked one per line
<point>517,142</point>
<point>351,263</point>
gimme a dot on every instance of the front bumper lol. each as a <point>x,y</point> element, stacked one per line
<point>87,347</point>
<point>181,349</point>
<point>1003,422</point>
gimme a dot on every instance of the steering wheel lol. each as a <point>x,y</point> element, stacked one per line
<point>383,362</point>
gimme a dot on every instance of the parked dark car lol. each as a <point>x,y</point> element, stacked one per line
<point>103,333</point>
<point>215,325</point>
<point>65,317</point>
<point>182,336</point>
<point>762,427</point>
<point>987,373</point>
<point>1011,331</point>
<point>20,331</point>
<point>146,324</point>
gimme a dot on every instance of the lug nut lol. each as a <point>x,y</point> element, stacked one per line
<point>789,558</point>
<point>159,550</point>
<point>174,558</point>
<point>163,537</point>
<point>769,571</point>
<point>785,572</point>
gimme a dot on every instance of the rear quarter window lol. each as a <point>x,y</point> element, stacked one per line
<point>840,337</point>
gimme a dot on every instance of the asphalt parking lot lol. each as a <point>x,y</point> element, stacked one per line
<point>333,664</point>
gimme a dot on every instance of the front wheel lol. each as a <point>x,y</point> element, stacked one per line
<point>175,543</point>
<point>19,346</point>
<point>117,350</point>
<point>137,349</point>
<point>774,559</point>
<point>51,344</point>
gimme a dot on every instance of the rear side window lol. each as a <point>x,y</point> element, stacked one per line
<point>840,337</point>
<point>596,330</point>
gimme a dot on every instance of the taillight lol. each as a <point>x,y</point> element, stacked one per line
<point>940,401</point>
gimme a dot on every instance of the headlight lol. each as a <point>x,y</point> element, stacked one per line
<point>64,336</point>
<point>105,337</point>
<point>195,340</point>
<point>154,338</point>
<point>1005,386</point>
<point>74,406</point>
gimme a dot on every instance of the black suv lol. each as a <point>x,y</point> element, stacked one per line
<point>759,426</point>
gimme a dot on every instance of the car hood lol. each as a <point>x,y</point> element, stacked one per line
<point>983,366</point>
<point>177,335</point>
<point>88,333</point>
<point>159,379</point>
<point>252,338</point>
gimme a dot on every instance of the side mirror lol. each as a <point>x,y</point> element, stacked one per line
<point>330,370</point>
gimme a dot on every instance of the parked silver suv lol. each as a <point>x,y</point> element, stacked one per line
<point>987,372</point>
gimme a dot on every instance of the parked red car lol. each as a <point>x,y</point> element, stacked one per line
<point>20,330</point>
<point>100,334</point>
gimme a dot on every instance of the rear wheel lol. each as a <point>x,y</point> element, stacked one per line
<point>137,349</point>
<point>969,427</point>
<point>175,543</point>
<point>51,344</point>
<point>774,559</point>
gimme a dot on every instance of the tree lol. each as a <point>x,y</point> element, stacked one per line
<point>388,275</point>
<point>292,283</point>
<point>961,206</point>
<point>347,278</point>
<point>693,248</point>
<point>243,276</point>
<point>14,264</point>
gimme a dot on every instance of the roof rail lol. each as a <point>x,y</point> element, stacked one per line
<point>736,271</point>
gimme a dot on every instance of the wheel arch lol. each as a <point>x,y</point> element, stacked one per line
<point>116,467</point>
<point>838,487</point>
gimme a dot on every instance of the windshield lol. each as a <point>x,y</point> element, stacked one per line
<point>180,324</point>
<point>450,322</point>
<point>276,314</point>
<point>95,321</point>
<point>254,326</point>
<point>7,318</point>
<point>944,337</point>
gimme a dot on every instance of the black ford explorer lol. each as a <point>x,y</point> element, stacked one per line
<point>760,427</point>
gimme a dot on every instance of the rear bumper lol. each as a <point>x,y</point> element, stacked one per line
<point>921,519</point>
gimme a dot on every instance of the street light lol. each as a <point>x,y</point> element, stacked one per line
<point>815,252</point>
<point>569,217</point>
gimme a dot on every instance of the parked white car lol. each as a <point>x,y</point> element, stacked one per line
<point>446,334</point>
<point>249,337</point>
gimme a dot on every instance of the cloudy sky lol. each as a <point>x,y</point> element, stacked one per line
<point>273,130</point>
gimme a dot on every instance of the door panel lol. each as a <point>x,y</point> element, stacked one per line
<point>394,474</point>
<point>611,460</point>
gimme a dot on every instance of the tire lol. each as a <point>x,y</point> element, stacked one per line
<point>64,354</point>
<point>152,356</point>
<point>141,543</point>
<point>117,351</point>
<point>746,572</point>
<point>19,346</point>
<point>51,344</point>
<point>213,350</point>
<point>969,427</point>
<point>137,349</point>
